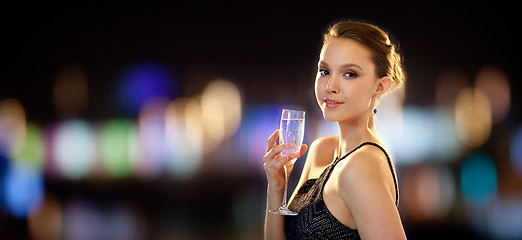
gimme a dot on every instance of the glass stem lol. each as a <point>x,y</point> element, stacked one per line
<point>286,185</point>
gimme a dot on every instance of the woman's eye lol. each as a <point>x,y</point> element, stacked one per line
<point>350,74</point>
<point>323,72</point>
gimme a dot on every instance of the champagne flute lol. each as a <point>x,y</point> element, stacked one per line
<point>292,131</point>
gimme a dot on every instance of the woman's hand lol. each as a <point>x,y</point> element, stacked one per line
<point>273,164</point>
<point>274,161</point>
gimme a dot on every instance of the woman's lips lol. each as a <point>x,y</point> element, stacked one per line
<point>331,103</point>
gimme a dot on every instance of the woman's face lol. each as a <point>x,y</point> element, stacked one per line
<point>346,81</point>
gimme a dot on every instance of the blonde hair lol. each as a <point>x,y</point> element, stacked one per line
<point>384,55</point>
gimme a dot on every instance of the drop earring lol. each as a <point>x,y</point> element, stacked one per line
<point>374,111</point>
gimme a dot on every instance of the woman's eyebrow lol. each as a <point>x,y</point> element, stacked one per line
<point>351,65</point>
<point>322,63</point>
<point>348,65</point>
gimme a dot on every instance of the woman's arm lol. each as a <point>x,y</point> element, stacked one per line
<point>365,186</point>
<point>273,165</point>
<point>274,224</point>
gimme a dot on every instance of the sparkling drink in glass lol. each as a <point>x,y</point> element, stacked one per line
<point>292,131</point>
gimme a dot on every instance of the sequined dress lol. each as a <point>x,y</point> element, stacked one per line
<point>314,220</point>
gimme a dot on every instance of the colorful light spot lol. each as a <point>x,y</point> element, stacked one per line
<point>30,150</point>
<point>118,147</point>
<point>184,132</point>
<point>152,138</point>
<point>428,192</point>
<point>143,82</point>
<point>74,149</point>
<point>473,117</point>
<point>23,190</point>
<point>12,124</point>
<point>46,222</point>
<point>478,180</point>
<point>70,91</point>
<point>259,123</point>
<point>221,112</point>
<point>495,84</point>
<point>446,144</point>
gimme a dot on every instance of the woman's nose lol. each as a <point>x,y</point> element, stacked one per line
<point>332,85</point>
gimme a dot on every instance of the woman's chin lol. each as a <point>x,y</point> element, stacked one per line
<point>329,118</point>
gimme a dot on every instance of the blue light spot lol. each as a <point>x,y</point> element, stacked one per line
<point>3,163</point>
<point>478,180</point>
<point>257,125</point>
<point>143,82</point>
<point>23,190</point>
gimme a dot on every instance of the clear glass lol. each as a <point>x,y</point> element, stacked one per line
<point>292,130</point>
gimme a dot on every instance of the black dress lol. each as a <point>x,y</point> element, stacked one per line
<point>314,220</point>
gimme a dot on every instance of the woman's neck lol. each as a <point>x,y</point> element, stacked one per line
<point>352,134</point>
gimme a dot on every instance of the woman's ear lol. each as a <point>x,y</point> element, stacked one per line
<point>384,85</point>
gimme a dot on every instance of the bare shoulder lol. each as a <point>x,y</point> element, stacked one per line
<point>367,163</point>
<point>366,171</point>
<point>320,154</point>
<point>325,144</point>
<point>367,187</point>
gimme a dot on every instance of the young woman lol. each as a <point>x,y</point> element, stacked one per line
<point>348,188</point>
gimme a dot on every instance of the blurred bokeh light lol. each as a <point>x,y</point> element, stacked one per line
<point>152,137</point>
<point>75,149</point>
<point>221,112</point>
<point>425,134</point>
<point>46,223</point>
<point>118,147</point>
<point>143,82</point>
<point>428,192</point>
<point>70,91</point>
<point>478,180</point>
<point>495,84</point>
<point>12,125</point>
<point>30,151</point>
<point>184,132</point>
<point>82,220</point>
<point>473,117</point>
<point>259,121</point>
<point>505,218</point>
<point>23,190</point>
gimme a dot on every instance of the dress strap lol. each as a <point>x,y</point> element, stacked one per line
<point>355,149</point>
<point>389,164</point>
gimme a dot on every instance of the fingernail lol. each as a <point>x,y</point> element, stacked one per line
<point>294,155</point>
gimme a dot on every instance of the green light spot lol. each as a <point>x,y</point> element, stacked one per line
<point>118,144</point>
<point>30,151</point>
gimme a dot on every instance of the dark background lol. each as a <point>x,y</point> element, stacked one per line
<point>264,43</point>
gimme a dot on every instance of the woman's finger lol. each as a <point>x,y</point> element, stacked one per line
<point>282,160</point>
<point>272,140</point>
<point>277,161</point>
<point>304,147</point>
<point>273,152</point>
